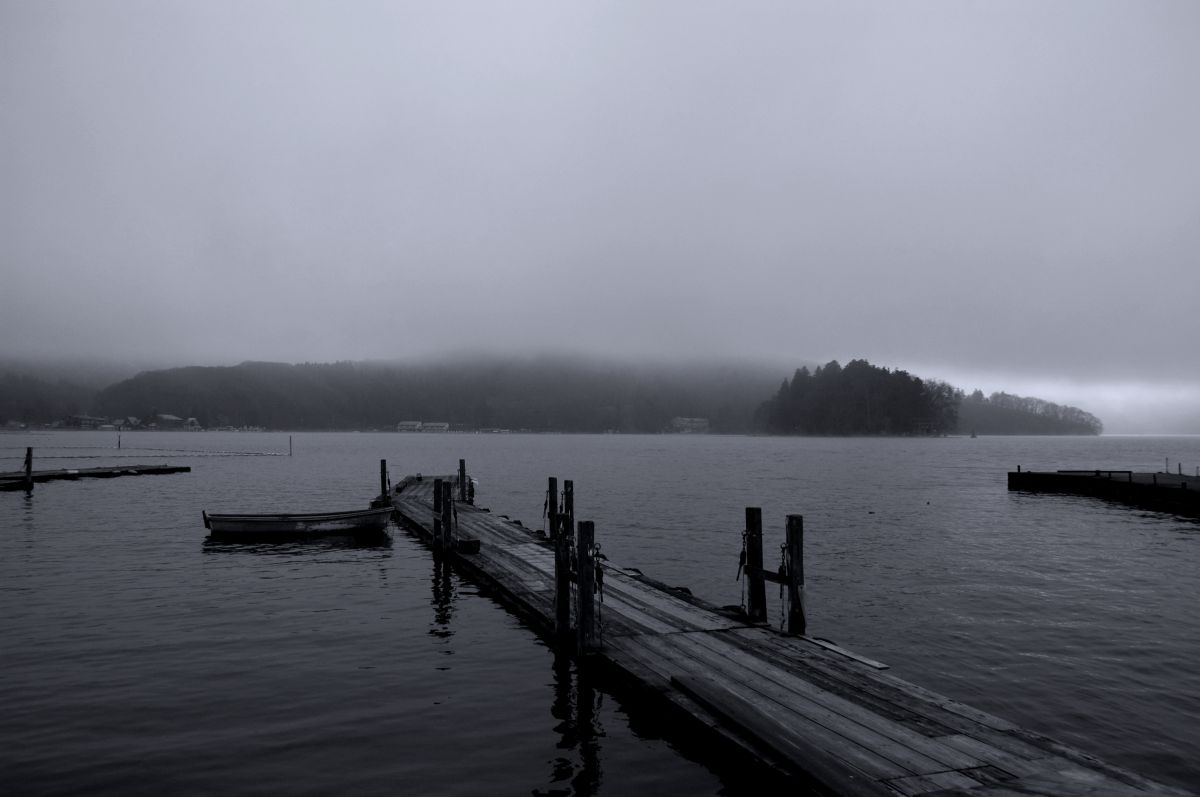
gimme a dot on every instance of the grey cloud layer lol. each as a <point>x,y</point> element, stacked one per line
<point>980,186</point>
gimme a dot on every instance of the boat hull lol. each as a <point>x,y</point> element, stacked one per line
<point>363,522</point>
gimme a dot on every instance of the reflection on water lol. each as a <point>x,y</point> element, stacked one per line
<point>445,592</point>
<point>576,707</point>
<point>297,547</point>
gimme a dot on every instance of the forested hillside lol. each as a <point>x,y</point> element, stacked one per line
<point>543,394</point>
<point>31,400</point>
<point>860,399</point>
<point>536,394</point>
<point>864,399</point>
<point>1004,413</point>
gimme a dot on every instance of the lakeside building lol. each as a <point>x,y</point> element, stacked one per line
<point>689,425</point>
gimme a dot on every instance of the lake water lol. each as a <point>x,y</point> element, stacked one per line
<point>139,658</point>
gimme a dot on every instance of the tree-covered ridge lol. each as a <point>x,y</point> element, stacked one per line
<point>864,399</point>
<point>1004,413</point>
<point>859,399</point>
<point>28,399</point>
<point>545,394</point>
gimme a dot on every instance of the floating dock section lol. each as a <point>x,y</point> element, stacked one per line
<point>820,716</point>
<point>1162,492</point>
<point>18,480</point>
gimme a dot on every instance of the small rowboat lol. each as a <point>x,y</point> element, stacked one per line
<point>361,522</point>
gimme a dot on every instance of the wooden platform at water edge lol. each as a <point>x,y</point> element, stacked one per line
<point>17,480</point>
<point>813,713</point>
<point>1162,492</point>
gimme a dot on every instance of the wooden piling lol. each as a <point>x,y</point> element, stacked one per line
<point>447,516</point>
<point>462,481</point>
<point>562,537</point>
<point>437,514</point>
<point>383,486</point>
<point>28,469</point>
<point>552,507</point>
<point>289,445</point>
<point>586,595</point>
<point>795,563</point>
<point>756,587</point>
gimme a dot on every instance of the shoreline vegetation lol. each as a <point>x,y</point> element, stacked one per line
<point>533,395</point>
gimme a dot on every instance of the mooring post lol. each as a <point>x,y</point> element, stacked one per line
<point>462,481</point>
<point>569,504</point>
<point>562,537</point>
<point>795,556</point>
<point>437,513</point>
<point>383,490</point>
<point>289,445</point>
<point>118,442</point>
<point>447,516</point>
<point>756,597</point>
<point>586,610</point>
<point>28,468</point>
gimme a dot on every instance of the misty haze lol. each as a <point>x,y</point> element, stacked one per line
<point>330,333</point>
<point>998,196</point>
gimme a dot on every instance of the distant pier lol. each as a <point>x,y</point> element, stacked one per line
<point>812,712</point>
<point>1162,492</point>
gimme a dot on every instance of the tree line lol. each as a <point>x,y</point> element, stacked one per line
<point>1004,413</point>
<point>859,399</point>
<point>864,399</point>
<point>546,394</point>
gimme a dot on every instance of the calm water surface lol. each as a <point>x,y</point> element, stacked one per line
<point>139,658</point>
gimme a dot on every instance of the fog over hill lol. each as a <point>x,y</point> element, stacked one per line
<point>997,195</point>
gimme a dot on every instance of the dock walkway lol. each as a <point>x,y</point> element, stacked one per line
<point>809,709</point>
<point>1163,492</point>
<point>15,480</point>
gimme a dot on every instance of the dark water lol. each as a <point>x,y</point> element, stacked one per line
<point>138,658</point>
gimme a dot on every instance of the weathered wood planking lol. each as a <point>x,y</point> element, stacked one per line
<point>801,705</point>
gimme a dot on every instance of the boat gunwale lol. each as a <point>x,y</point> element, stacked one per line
<point>300,516</point>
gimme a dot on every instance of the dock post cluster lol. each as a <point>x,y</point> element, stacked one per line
<point>789,576</point>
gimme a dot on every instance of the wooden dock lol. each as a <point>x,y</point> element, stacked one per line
<point>19,480</point>
<point>816,714</point>
<point>1162,492</point>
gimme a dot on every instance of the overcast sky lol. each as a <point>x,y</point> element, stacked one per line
<point>1003,194</point>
